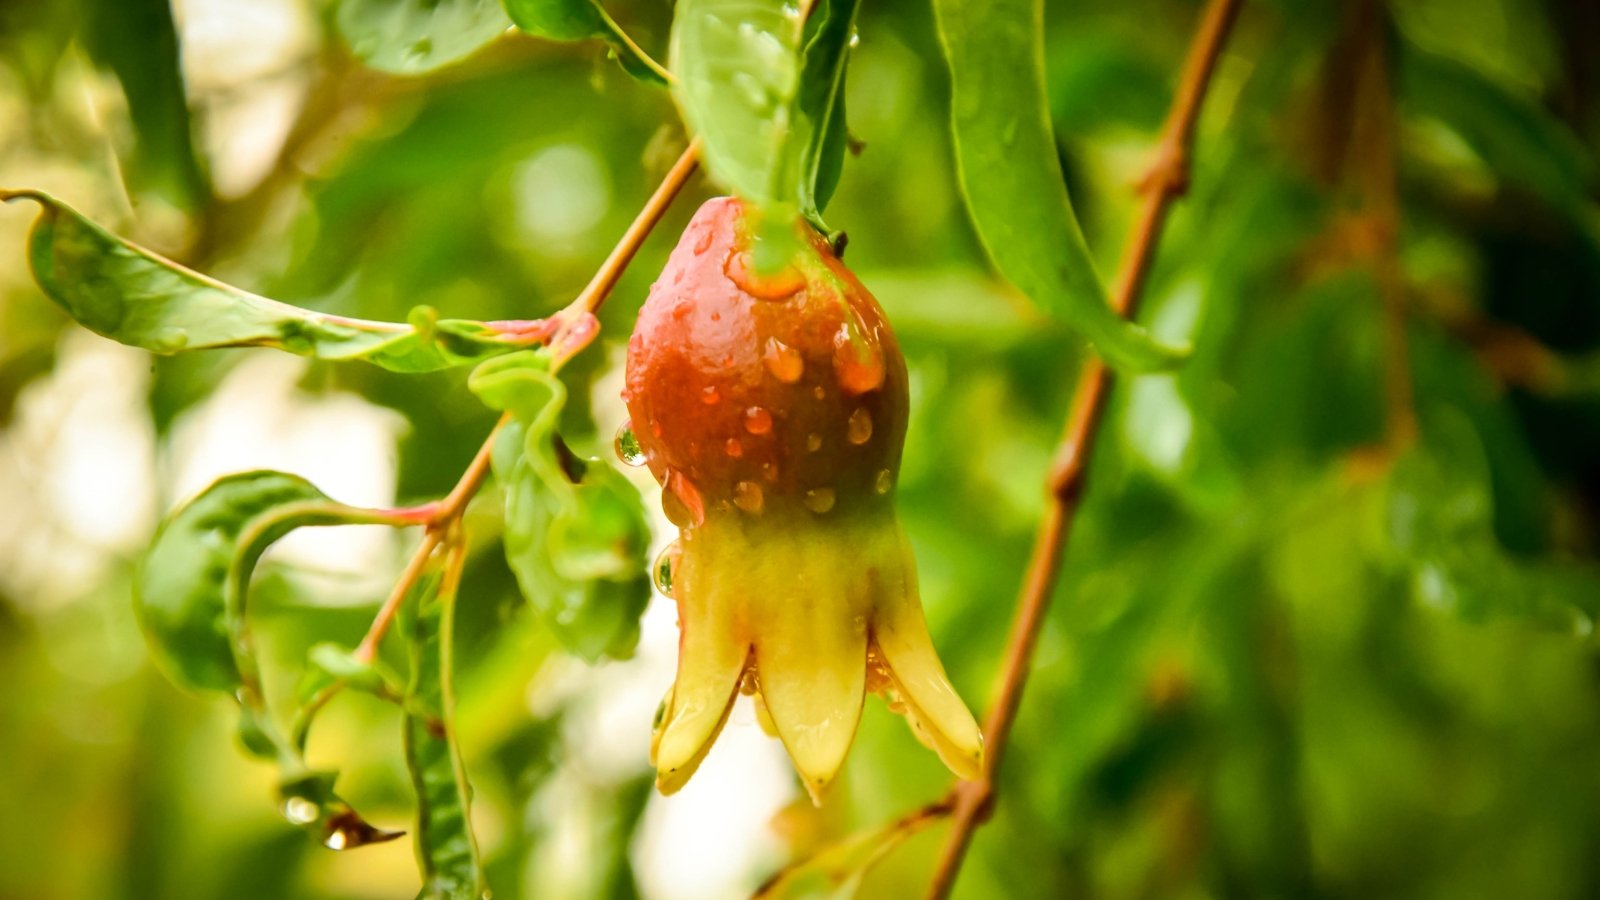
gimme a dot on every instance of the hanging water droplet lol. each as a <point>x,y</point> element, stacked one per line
<point>813,443</point>
<point>859,429</point>
<point>757,420</point>
<point>710,395</point>
<point>733,448</point>
<point>855,39</point>
<point>681,501</point>
<point>748,497</point>
<point>884,482</point>
<point>300,811</point>
<point>661,571</point>
<point>819,500</point>
<point>627,445</point>
<point>338,839</point>
<point>784,362</point>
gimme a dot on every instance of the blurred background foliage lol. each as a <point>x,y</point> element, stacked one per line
<point>1294,653</point>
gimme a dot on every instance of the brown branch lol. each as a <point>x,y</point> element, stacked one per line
<point>611,270</point>
<point>973,801</point>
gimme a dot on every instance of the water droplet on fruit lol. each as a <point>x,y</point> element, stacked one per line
<point>661,569</point>
<point>627,445</point>
<point>772,287</point>
<point>710,395</point>
<point>819,393</point>
<point>733,448</point>
<point>783,361</point>
<point>858,364</point>
<point>680,309</point>
<point>819,500</point>
<point>655,427</point>
<point>769,471</point>
<point>859,429</point>
<point>748,497</point>
<point>757,420</point>
<point>884,482</point>
<point>813,443</point>
<point>703,243</point>
<point>681,500</point>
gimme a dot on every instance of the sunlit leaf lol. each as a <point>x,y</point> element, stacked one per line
<point>447,848</point>
<point>410,37</point>
<point>576,533</point>
<point>1012,177</point>
<point>135,297</point>
<point>576,20</point>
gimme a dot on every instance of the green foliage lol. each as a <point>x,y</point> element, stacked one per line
<point>575,532</point>
<point>120,290</point>
<point>411,37</point>
<point>763,87</point>
<point>191,594</point>
<point>1012,180</point>
<point>1287,656</point>
<point>446,847</point>
<point>576,20</point>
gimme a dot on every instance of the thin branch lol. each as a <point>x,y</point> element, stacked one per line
<point>611,270</point>
<point>973,801</point>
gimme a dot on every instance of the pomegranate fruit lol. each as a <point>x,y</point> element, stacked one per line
<point>772,410</point>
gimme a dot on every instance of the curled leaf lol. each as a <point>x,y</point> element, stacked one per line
<point>575,529</point>
<point>133,296</point>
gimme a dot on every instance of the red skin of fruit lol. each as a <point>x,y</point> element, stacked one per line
<point>709,369</point>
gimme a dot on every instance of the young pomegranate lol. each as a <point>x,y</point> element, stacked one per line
<point>772,410</point>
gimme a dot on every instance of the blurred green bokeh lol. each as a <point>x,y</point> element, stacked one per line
<point>1285,660</point>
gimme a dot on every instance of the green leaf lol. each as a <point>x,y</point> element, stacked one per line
<point>820,123</point>
<point>135,297</point>
<point>576,533</point>
<point>411,37</point>
<point>1520,141</point>
<point>190,594</point>
<point>764,90</point>
<point>577,20</point>
<point>1012,179</point>
<point>163,158</point>
<point>446,847</point>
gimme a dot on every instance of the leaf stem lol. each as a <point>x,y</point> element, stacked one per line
<point>972,802</point>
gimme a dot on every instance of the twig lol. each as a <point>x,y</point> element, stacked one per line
<point>973,801</point>
<point>611,270</point>
<point>444,515</point>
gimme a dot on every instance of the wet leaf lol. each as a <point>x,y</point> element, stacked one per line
<point>411,37</point>
<point>764,89</point>
<point>577,20</point>
<point>190,595</point>
<point>576,532</point>
<point>446,846</point>
<point>135,297</point>
<point>1012,178</point>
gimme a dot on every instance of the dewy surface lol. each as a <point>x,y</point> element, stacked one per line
<point>772,409</point>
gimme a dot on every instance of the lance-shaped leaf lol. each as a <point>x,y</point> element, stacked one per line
<point>1012,179</point>
<point>412,37</point>
<point>446,847</point>
<point>575,530</point>
<point>577,20</point>
<point>190,595</point>
<point>763,87</point>
<point>135,297</point>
